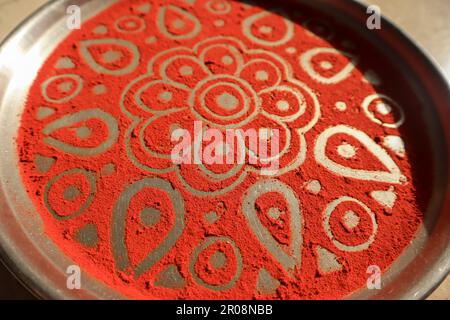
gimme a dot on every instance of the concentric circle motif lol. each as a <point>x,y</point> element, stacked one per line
<point>105,113</point>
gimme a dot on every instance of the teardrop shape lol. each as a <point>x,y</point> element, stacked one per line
<point>334,65</point>
<point>216,263</point>
<point>222,58</point>
<point>70,193</point>
<point>110,55</point>
<point>62,88</point>
<point>271,29</point>
<point>392,175</point>
<point>68,121</point>
<point>130,24</point>
<point>159,97</point>
<point>383,110</point>
<point>292,258</point>
<point>177,24</point>
<point>125,204</point>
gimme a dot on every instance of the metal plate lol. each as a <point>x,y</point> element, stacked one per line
<point>39,264</point>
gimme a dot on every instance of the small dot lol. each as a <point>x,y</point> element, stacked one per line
<point>346,150</point>
<point>150,216</point>
<point>131,24</point>
<point>150,40</point>
<point>99,89</point>
<point>275,213</point>
<point>219,23</point>
<point>383,108</point>
<point>178,24</point>
<point>211,217</point>
<point>83,132</point>
<point>227,60</point>
<point>65,86</point>
<point>218,259</point>
<point>291,50</point>
<point>108,169</point>
<point>395,144</point>
<point>265,30</point>
<point>283,105</point>
<point>71,193</point>
<point>165,96</point>
<point>341,106</point>
<point>351,219</point>
<point>262,75</point>
<point>186,71</point>
<point>314,186</point>
<point>326,65</point>
<point>220,6</point>
<point>227,101</point>
<point>111,56</point>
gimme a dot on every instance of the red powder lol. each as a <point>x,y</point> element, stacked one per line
<point>95,143</point>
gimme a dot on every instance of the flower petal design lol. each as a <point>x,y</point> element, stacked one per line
<point>183,70</point>
<point>153,199</point>
<point>264,29</point>
<point>261,73</point>
<point>392,174</point>
<point>289,257</point>
<point>70,193</point>
<point>177,23</point>
<point>222,58</point>
<point>110,56</point>
<point>224,101</point>
<point>62,88</point>
<point>79,133</point>
<point>283,103</point>
<point>150,143</point>
<point>328,65</point>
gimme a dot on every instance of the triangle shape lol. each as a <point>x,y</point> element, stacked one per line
<point>170,278</point>
<point>43,164</point>
<point>266,284</point>
<point>327,261</point>
<point>385,198</point>
<point>44,112</point>
<point>64,63</point>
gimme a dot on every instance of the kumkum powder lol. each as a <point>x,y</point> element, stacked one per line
<point>96,139</point>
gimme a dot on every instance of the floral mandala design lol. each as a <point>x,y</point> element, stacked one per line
<point>226,86</point>
<point>95,147</point>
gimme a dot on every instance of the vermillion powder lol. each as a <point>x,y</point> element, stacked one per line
<point>95,144</point>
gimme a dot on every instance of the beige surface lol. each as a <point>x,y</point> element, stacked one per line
<point>427,21</point>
